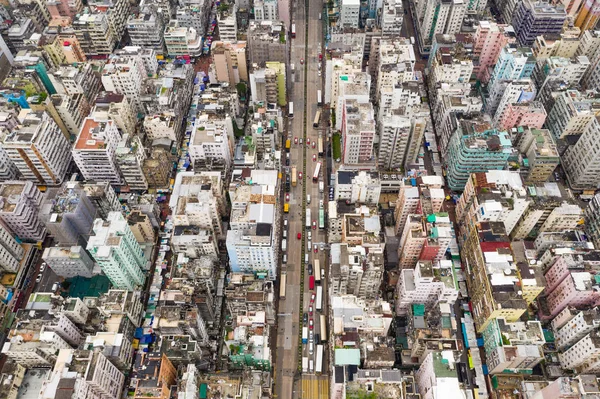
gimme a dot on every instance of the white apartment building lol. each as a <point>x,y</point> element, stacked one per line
<point>396,63</point>
<point>354,86</point>
<point>198,201</point>
<point>11,252</point>
<point>8,169</point>
<point>20,204</point>
<point>124,74</point>
<point>406,95</point>
<point>118,108</point>
<point>358,187</point>
<point>582,160</point>
<point>349,13</point>
<point>565,217</point>
<point>392,18</point>
<point>266,10</point>
<point>161,126</point>
<point>94,33</point>
<point>400,139</point>
<point>437,377</point>
<point>39,351</point>
<point>209,143</point>
<point>347,66</point>
<point>180,40</point>
<point>427,284</point>
<point>146,29</point>
<point>584,356</point>
<point>118,253</point>
<point>195,242</point>
<point>358,132</point>
<point>513,93</point>
<point>38,148</point>
<point>252,243</point>
<point>441,16</point>
<point>95,376</point>
<point>130,157</point>
<point>116,346</point>
<point>577,327</point>
<point>95,149</point>
<point>69,262</point>
<point>72,110</point>
<point>571,113</point>
<point>227,24</point>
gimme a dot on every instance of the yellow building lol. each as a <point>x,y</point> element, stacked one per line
<point>279,70</point>
<point>492,274</point>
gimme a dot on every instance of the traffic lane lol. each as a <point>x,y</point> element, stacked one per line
<point>47,281</point>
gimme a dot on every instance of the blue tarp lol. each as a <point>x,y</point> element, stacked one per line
<point>139,332</point>
<point>485,369</point>
<point>466,339</point>
<point>479,341</point>
<point>146,339</point>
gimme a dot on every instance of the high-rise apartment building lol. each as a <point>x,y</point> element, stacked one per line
<point>230,61</point>
<point>581,161</point>
<point>440,16</point>
<point>69,262</point>
<point>478,152</point>
<point>572,112</point>
<point>535,18</point>
<point>95,149</point>
<point>490,38</point>
<point>20,209</point>
<point>542,154</point>
<point>116,250</point>
<point>358,132</point>
<point>38,149</point>
<point>349,13</point>
<point>11,252</point>
<point>68,215</point>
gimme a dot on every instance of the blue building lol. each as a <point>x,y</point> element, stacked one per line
<point>472,152</point>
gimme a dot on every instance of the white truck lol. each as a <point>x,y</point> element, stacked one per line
<point>321,186</point>
<point>283,245</point>
<point>308,219</point>
<point>305,364</point>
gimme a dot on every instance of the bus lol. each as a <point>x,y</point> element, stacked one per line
<point>323,325</point>
<point>321,218</point>
<point>311,283</point>
<point>317,173</point>
<point>288,144</point>
<point>307,218</point>
<point>319,362</point>
<point>319,98</point>
<point>317,270</point>
<point>293,32</point>
<point>290,109</point>
<point>317,119</point>
<point>282,282</point>
<point>293,176</point>
<point>319,299</point>
<point>320,145</point>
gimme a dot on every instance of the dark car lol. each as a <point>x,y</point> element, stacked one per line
<point>305,318</point>
<point>310,269</point>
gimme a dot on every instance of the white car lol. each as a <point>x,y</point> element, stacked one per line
<point>39,278</point>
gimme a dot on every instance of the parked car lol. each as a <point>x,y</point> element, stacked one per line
<point>311,324</point>
<point>299,236</point>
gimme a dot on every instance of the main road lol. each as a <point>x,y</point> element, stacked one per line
<point>289,380</point>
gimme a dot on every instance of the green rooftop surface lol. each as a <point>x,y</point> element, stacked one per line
<point>441,366</point>
<point>344,357</point>
<point>81,287</point>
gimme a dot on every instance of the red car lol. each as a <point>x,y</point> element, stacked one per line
<point>311,324</point>
<point>299,236</point>
<point>287,197</point>
<point>310,310</point>
<point>312,298</point>
<point>314,157</point>
<point>295,140</point>
<point>320,57</point>
<point>314,144</point>
<point>314,225</point>
<point>302,61</point>
<point>308,142</point>
<point>316,248</point>
<point>299,175</point>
